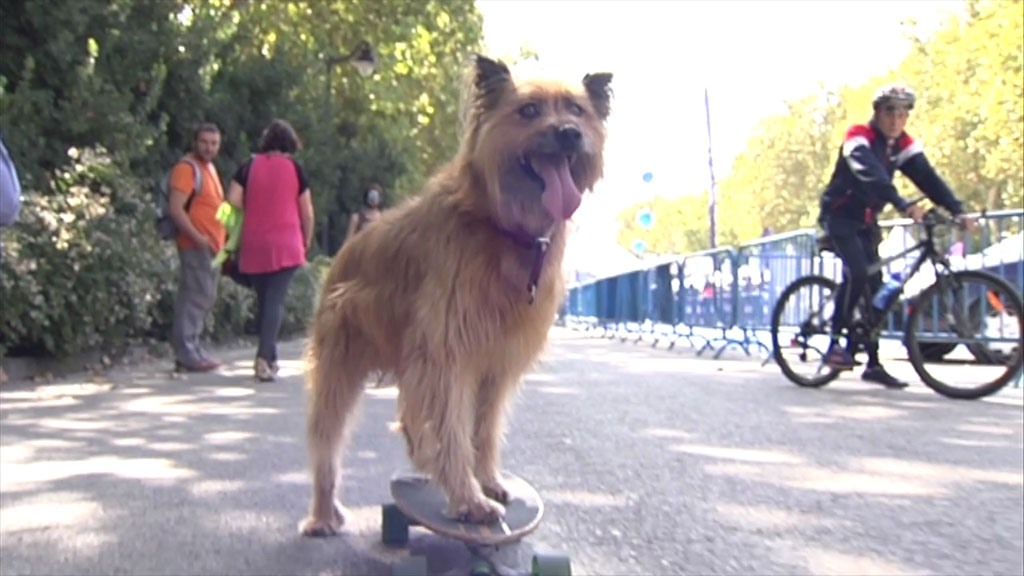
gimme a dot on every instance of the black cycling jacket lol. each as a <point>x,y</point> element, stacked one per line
<point>861,183</point>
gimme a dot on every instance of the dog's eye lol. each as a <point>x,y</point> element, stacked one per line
<point>575,109</point>
<point>529,111</point>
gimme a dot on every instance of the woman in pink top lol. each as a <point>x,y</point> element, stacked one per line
<point>273,193</point>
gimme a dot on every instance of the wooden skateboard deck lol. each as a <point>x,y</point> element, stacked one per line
<point>425,504</point>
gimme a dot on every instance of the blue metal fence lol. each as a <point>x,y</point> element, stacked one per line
<point>724,297</point>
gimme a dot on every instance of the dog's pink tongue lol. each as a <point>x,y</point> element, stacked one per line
<point>560,197</point>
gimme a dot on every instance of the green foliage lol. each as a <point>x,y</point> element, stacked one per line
<point>303,295</point>
<point>970,117</point>
<point>971,76</point>
<point>233,313</point>
<point>70,281</point>
<point>82,269</point>
<point>675,230</point>
<point>393,128</point>
<point>122,85</point>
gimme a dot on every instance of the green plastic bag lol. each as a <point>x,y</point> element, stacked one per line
<point>231,218</point>
<point>227,259</point>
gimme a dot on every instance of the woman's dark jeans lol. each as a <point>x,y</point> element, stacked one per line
<point>271,289</point>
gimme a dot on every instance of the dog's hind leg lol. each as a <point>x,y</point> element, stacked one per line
<point>335,387</point>
<point>488,432</point>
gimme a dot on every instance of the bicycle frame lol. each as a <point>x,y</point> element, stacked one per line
<point>927,253</point>
<point>873,319</point>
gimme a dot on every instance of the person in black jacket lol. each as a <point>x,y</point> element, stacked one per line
<point>860,187</point>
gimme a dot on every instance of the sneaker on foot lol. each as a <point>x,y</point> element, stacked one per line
<point>839,358</point>
<point>878,375</point>
<point>263,371</point>
<point>206,360</point>
<point>200,366</point>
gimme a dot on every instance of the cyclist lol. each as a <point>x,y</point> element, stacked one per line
<point>860,187</point>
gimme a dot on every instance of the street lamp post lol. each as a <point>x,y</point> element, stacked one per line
<point>364,58</point>
<point>712,196</point>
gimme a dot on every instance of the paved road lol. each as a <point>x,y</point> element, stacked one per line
<point>651,462</point>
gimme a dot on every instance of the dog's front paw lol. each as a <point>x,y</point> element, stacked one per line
<point>314,527</point>
<point>480,510</point>
<point>494,489</point>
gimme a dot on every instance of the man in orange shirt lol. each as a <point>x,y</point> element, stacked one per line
<point>200,237</point>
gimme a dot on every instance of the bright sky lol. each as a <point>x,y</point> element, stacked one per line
<point>750,55</point>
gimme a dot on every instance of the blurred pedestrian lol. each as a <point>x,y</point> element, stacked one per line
<point>368,213</point>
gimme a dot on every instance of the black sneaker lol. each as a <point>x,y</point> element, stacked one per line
<point>878,375</point>
<point>839,358</point>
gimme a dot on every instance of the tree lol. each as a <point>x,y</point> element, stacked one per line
<point>970,76</point>
<point>680,225</point>
<point>970,116</point>
<point>97,97</point>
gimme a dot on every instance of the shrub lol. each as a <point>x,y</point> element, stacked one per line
<point>235,311</point>
<point>236,306</point>
<point>83,269</point>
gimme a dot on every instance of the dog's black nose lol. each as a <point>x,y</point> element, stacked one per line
<point>569,137</point>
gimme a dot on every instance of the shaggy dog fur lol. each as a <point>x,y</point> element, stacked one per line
<point>454,291</point>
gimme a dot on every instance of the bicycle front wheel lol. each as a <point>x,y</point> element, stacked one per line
<point>979,315</point>
<point>801,331</point>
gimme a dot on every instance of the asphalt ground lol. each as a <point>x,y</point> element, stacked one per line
<point>649,462</point>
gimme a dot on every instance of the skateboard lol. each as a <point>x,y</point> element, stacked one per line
<point>417,502</point>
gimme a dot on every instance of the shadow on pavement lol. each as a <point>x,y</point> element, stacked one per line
<point>648,463</point>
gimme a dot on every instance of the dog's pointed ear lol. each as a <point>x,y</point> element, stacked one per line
<point>599,89</point>
<point>492,78</point>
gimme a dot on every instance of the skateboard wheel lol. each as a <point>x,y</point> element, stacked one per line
<point>394,526</point>
<point>481,569</point>
<point>410,566</point>
<point>551,565</point>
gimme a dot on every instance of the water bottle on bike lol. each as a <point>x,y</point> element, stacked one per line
<point>883,298</point>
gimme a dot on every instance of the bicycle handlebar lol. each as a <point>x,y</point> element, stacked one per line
<point>934,216</point>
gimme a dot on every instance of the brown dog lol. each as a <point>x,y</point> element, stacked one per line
<point>454,292</point>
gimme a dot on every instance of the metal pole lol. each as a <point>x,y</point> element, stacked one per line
<point>712,197</point>
<point>324,235</point>
<point>365,53</point>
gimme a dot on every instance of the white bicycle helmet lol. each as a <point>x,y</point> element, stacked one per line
<point>894,93</point>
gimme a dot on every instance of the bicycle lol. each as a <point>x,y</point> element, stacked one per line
<point>946,314</point>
